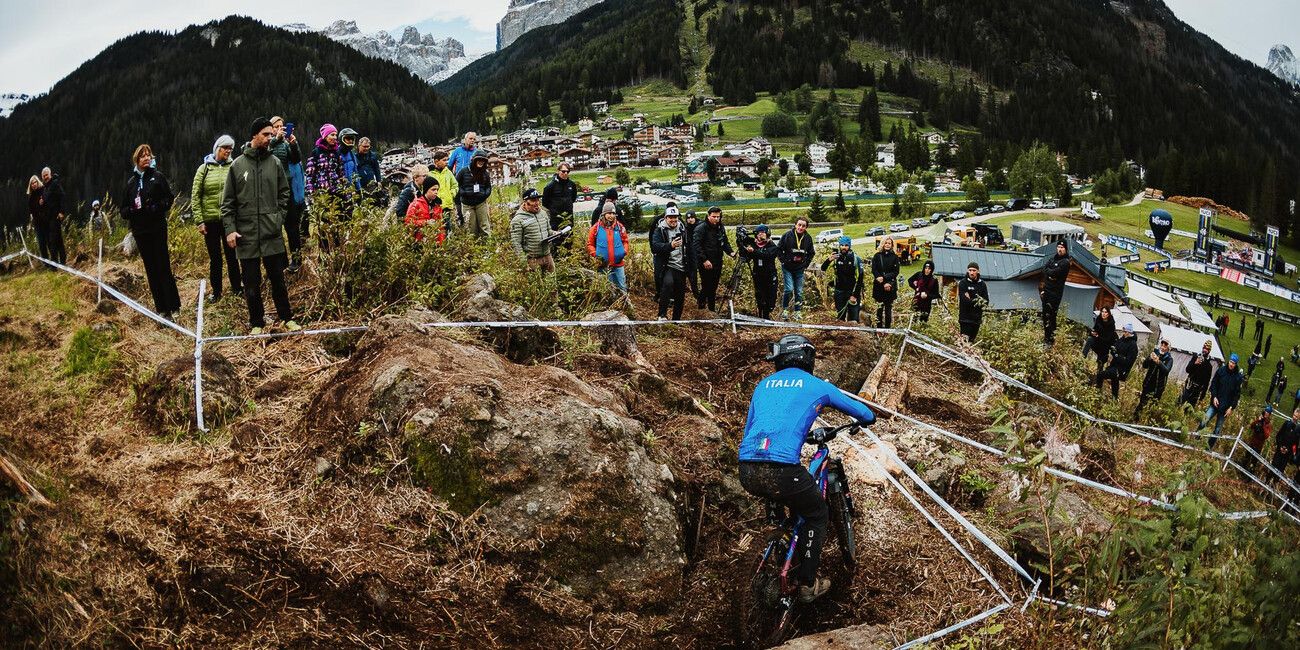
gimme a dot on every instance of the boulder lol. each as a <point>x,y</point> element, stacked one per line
<point>549,462</point>
<point>165,400</point>
<point>859,469</point>
<point>1069,516</point>
<point>519,344</point>
<point>858,637</point>
<point>1098,454</point>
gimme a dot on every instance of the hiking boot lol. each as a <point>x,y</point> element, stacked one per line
<point>291,326</point>
<point>785,314</point>
<point>658,318</point>
<point>807,593</point>
<point>293,267</point>
<point>797,316</point>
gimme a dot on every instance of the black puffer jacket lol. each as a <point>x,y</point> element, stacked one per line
<point>1124,355</point>
<point>709,243</point>
<point>972,296</point>
<point>1054,274</point>
<point>884,264</point>
<point>764,261</point>
<point>156,198</point>
<point>53,195</point>
<point>796,250</point>
<point>558,198</point>
<point>1157,373</point>
<point>475,181</point>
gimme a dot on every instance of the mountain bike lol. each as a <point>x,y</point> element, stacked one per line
<point>767,602</point>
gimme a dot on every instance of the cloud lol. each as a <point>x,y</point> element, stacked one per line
<point>44,42</point>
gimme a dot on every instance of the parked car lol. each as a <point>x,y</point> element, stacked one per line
<point>1050,205</point>
<point>981,211</point>
<point>920,222</point>
<point>897,227</point>
<point>832,235</point>
<point>957,214</point>
<point>938,216</point>
<point>1035,205</point>
<point>787,195</point>
<point>998,208</point>
<point>876,231</point>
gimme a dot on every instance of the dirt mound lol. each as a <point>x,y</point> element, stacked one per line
<point>550,462</point>
<point>165,401</point>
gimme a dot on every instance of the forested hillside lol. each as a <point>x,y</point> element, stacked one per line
<point>179,92</point>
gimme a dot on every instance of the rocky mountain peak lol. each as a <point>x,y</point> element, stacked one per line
<point>341,28</point>
<point>523,16</point>
<point>1282,63</point>
<point>427,57</point>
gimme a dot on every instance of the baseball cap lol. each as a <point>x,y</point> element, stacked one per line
<point>672,209</point>
<point>531,194</point>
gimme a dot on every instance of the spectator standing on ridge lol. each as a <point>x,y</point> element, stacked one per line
<point>475,187</point>
<point>205,201</point>
<point>762,255</point>
<point>1259,328</point>
<point>412,190</point>
<point>1278,376</point>
<point>458,161</point>
<point>1225,391</point>
<point>926,288</point>
<point>885,267</point>
<point>1199,370</point>
<point>325,184</point>
<point>559,196</point>
<point>1055,272</point>
<point>1122,358</point>
<point>1253,361</point>
<point>424,209</point>
<point>35,189</point>
<point>848,280</point>
<point>1287,444</point>
<point>529,229</point>
<point>1101,337</point>
<point>1268,345</point>
<point>253,206</point>
<point>668,243</point>
<point>707,248</point>
<point>796,249</point>
<point>610,197</point>
<point>53,213</point>
<point>1157,364</point>
<point>692,265</point>
<point>351,164</point>
<point>1281,391</point>
<point>146,200</point>
<point>972,297</point>
<point>372,181</point>
<point>607,242</point>
<point>285,148</point>
<point>1260,428</point>
<point>447,187</point>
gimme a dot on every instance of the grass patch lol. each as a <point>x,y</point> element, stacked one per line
<point>90,352</point>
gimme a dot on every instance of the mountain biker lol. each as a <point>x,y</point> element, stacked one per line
<point>784,406</point>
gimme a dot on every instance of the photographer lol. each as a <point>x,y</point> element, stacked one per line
<point>848,280</point>
<point>762,252</point>
<point>1157,364</point>
<point>1199,370</point>
<point>668,243</point>
<point>709,244</point>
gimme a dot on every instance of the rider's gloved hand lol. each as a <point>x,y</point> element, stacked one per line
<point>821,435</point>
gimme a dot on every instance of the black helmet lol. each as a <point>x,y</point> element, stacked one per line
<point>793,351</point>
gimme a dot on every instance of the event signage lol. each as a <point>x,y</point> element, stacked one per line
<point>1161,223</point>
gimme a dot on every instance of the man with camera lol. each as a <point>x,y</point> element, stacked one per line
<point>848,280</point>
<point>668,243</point>
<point>759,250</point>
<point>709,244</point>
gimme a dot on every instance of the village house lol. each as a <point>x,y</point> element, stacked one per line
<point>818,151</point>
<point>885,155</point>
<point>537,157</point>
<point>622,152</point>
<point>585,124</point>
<point>577,158</point>
<point>600,108</point>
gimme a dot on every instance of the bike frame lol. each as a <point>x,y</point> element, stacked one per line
<point>819,467</point>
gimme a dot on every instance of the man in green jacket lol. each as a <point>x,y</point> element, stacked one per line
<point>253,207</point>
<point>529,229</point>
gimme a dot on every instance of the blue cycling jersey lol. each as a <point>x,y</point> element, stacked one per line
<point>782,411</point>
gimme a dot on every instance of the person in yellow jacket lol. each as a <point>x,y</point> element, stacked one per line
<point>447,187</point>
<point>205,201</point>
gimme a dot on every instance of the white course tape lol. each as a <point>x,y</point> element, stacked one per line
<point>10,256</point>
<point>198,356</point>
<point>1096,611</point>
<point>953,628</point>
<point>123,298</point>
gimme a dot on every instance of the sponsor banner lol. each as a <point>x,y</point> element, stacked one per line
<point>1231,275</point>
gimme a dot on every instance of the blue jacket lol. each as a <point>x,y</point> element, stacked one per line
<point>368,168</point>
<point>297,183</point>
<point>460,158</point>
<point>783,409</point>
<point>1226,386</point>
<point>351,170</point>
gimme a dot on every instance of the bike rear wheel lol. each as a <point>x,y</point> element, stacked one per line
<point>765,616</point>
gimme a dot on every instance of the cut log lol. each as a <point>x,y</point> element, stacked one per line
<point>885,385</point>
<point>618,340</point>
<point>871,387</point>
<point>15,476</point>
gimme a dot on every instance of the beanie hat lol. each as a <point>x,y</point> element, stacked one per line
<point>326,130</point>
<point>929,264</point>
<point>258,124</point>
<point>223,141</point>
<point>610,209</point>
<point>1128,327</point>
<point>973,265</point>
<point>845,240</point>
<point>761,228</point>
<point>429,183</point>
<point>1233,358</point>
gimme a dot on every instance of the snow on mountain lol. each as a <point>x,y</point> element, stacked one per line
<point>1282,63</point>
<point>526,15</point>
<point>429,58</point>
<point>9,101</point>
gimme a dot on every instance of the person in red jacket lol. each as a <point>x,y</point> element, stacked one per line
<point>607,242</point>
<point>425,212</point>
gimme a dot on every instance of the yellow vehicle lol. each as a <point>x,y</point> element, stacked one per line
<point>906,248</point>
<point>959,236</point>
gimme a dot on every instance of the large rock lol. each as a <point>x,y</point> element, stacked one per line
<point>519,344</point>
<point>523,16</point>
<point>1069,516</point>
<point>553,464</point>
<point>165,400</point>
<point>858,637</point>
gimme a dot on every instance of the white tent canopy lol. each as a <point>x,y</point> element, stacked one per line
<point>1157,300</point>
<point>1197,313</point>
<point>1189,341</point>
<point>1122,315</point>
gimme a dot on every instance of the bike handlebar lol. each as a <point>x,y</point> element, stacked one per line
<point>822,435</point>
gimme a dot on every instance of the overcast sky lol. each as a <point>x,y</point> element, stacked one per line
<point>42,42</point>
